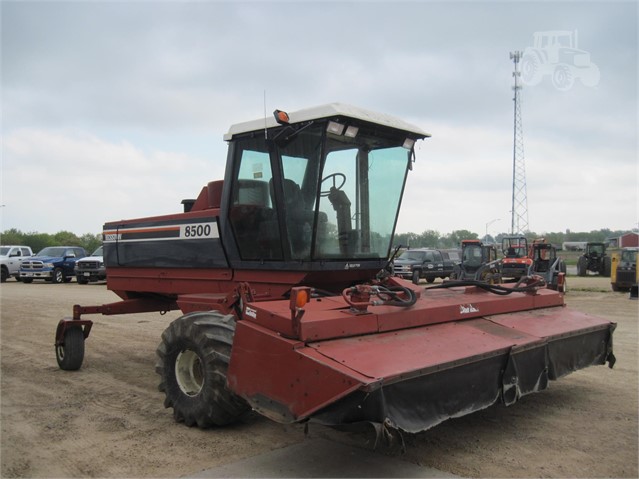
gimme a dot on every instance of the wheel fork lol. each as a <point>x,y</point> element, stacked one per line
<point>67,323</point>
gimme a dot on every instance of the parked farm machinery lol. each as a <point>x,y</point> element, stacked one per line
<point>547,264</point>
<point>594,260</point>
<point>280,271</point>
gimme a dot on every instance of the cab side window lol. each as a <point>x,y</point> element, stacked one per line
<point>252,216</point>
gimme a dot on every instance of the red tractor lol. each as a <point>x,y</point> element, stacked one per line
<point>281,273</point>
<point>516,263</point>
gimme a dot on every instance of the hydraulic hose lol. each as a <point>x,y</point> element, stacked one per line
<point>361,296</point>
<point>392,296</point>
<point>533,283</point>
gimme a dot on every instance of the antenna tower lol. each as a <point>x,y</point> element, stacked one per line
<point>519,207</point>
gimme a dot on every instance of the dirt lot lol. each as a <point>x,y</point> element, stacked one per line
<point>108,419</point>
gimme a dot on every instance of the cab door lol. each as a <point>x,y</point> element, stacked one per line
<point>438,261</point>
<point>15,258</point>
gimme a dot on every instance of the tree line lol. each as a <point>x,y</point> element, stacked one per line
<point>37,241</point>
<point>427,239</point>
<point>434,239</point>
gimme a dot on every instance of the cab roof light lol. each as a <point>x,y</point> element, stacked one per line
<point>351,131</point>
<point>281,117</point>
<point>335,128</point>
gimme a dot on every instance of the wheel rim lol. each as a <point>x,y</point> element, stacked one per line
<point>188,373</point>
<point>60,351</point>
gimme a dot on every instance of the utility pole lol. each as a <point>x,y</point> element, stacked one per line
<point>519,207</point>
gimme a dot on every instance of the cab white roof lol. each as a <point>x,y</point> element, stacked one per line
<point>326,111</point>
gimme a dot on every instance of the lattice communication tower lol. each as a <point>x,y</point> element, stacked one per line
<point>519,210</point>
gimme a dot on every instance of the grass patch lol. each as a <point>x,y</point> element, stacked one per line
<point>586,289</point>
<point>590,283</point>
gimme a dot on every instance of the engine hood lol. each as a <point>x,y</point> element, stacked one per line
<point>407,261</point>
<point>92,258</point>
<point>46,259</point>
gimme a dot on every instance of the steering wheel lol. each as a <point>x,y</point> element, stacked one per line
<point>334,177</point>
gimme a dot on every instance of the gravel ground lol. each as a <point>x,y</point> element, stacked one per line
<point>108,419</point>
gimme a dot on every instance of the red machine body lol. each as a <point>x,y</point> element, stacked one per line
<point>281,271</point>
<point>340,365</point>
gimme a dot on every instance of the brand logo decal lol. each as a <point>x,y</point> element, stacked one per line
<point>250,312</point>
<point>467,309</point>
<point>352,266</point>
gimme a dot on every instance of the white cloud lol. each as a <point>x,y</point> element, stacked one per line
<point>76,181</point>
<point>463,180</point>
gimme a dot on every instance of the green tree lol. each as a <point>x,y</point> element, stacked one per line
<point>90,241</point>
<point>12,236</point>
<point>407,240</point>
<point>66,238</point>
<point>429,239</point>
<point>454,239</point>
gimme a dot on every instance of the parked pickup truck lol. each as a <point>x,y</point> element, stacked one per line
<point>11,257</point>
<point>426,263</point>
<point>91,268</point>
<point>54,263</point>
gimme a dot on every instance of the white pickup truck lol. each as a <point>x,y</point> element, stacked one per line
<point>11,258</point>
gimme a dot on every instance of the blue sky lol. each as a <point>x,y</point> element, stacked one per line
<point>117,110</point>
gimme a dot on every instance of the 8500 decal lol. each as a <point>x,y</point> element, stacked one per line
<point>201,230</point>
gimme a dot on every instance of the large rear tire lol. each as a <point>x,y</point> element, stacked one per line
<point>607,266</point>
<point>582,266</point>
<point>193,360</point>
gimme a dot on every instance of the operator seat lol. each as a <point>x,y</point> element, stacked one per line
<point>254,221</point>
<point>299,219</point>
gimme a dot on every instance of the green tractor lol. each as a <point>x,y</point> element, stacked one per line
<point>594,260</point>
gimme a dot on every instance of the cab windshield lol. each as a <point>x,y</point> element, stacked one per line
<point>318,191</point>
<point>515,247</point>
<point>53,251</point>
<point>472,255</point>
<point>412,256</point>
